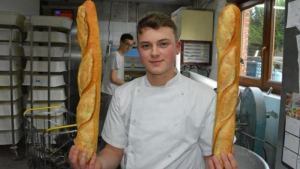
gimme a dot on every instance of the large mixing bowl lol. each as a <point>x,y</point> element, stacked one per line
<point>247,159</point>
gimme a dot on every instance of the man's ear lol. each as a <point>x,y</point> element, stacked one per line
<point>178,47</point>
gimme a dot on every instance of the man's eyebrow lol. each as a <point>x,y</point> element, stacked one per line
<point>165,39</point>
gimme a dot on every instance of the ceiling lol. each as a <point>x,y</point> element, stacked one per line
<point>169,2</point>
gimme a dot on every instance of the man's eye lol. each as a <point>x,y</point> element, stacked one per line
<point>164,44</point>
<point>145,46</point>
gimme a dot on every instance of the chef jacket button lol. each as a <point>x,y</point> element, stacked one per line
<point>138,90</point>
<point>182,93</point>
<point>169,156</point>
<point>132,151</point>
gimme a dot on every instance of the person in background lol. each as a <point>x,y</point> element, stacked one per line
<point>160,120</point>
<point>113,76</point>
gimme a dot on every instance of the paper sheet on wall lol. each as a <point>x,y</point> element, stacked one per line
<point>291,147</point>
<point>298,46</point>
<point>293,18</point>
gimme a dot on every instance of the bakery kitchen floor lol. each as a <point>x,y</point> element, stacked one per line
<point>7,157</point>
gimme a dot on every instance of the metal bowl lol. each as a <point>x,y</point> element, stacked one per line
<point>247,159</point>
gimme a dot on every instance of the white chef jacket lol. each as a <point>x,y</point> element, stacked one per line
<point>162,127</point>
<point>114,62</point>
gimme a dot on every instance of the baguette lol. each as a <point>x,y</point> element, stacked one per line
<point>89,79</point>
<point>228,46</point>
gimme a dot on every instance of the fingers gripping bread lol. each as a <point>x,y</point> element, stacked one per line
<point>228,46</point>
<point>89,79</point>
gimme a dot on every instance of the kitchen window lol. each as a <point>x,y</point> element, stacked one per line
<point>262,44</point>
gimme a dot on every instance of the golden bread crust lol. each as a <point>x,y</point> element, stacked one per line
<point>89,79</point>
<point>228,45</point>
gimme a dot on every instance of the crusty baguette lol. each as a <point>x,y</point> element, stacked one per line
<point>89,79</point>
<point>228,46</point>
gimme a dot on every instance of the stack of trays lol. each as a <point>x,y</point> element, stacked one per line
<point>12,19</point>
<point>42,37</point>
<point>42,51</point>
<point>42,66</point>
<point>16,65</point>
<point>45,46</point>
<point>41,94</point>
<point>11,26</point>
<point>42,80</point>
<point>16,50</point>
<point>5,79</point>
<point>5,93</point>
<point>63,23</point>
<point>5,35</point>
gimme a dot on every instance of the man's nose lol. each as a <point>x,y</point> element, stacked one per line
<point>155,51</point>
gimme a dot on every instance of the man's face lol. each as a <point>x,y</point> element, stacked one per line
<point>126,45</point>
<point>158,49</point>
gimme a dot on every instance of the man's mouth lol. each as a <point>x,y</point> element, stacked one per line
<point>155,62</point>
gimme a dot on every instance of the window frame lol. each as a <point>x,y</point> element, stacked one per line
<point>265,82</point>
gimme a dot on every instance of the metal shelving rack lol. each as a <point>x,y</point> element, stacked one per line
<point>49,59</point>
<point>10,42</point>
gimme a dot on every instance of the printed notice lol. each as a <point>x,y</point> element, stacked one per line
<point>289,157</point>
<point>291,148</point>
<point>291,142</point>
<point>293,18</point>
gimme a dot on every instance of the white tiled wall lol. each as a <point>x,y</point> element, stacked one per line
<point>116,29</point>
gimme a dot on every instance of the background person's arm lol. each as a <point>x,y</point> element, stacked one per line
<point>114,78</point>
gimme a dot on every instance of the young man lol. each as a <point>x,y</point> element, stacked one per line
<point>113,77</point>
<point>161,120</point>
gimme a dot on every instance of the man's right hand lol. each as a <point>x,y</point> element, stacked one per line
<point>73,159</point>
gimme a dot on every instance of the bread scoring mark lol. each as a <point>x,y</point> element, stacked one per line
<point>82,28</point>
<point>226,25</point>
<point>87,105</point>
<point>87,139</point>
<point>227,69</point>
<point>85,72</point>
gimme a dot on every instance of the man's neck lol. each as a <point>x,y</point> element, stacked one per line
<point>120,52</point>
<point>160,80</point>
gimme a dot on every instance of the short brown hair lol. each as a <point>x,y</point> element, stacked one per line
<point>155,20</point>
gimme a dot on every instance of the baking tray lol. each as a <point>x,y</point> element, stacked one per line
<point>5,109</point>
<point>63,23</point>
<point>42,51</point>
<point>16,65</point>
<point>41,94</point>
<point>42,66</point>
<point>42,37</point>
<point>12,19</point>
<point>42,80</point>
<point>16,50</point>
<point>5,79</point>
<point>41,122</point>
<point>5,122</point>
<point>6,136</point>
<point>5,93</point>
<point>5,35</point>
